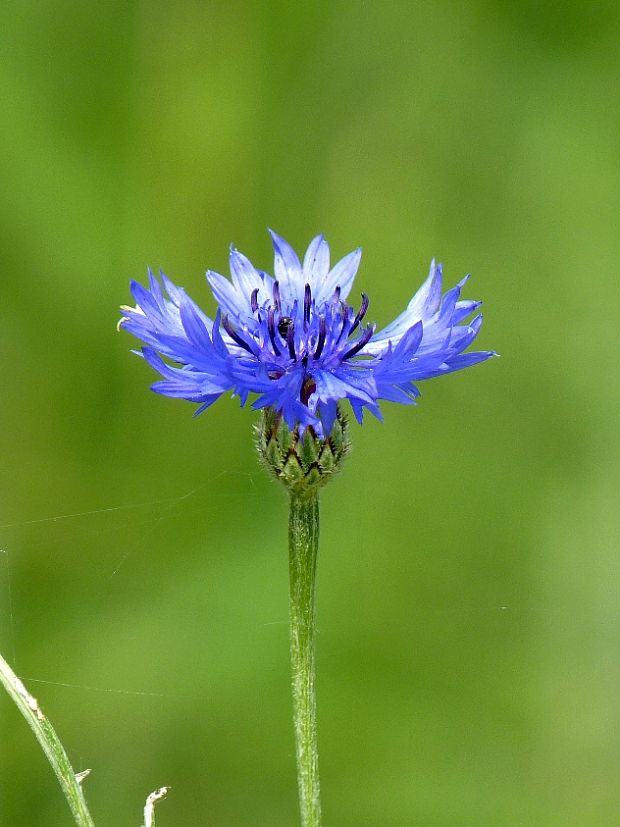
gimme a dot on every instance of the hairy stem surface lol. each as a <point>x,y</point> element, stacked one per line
<point>303,548</point>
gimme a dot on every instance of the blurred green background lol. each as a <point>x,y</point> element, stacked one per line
<point>468,585</point>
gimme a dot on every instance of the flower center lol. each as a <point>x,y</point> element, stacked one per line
<point>289,335</point>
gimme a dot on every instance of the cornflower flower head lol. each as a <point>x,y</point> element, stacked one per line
<point>294,340</point>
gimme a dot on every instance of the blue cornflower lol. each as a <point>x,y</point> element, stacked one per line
<point>295,341</point>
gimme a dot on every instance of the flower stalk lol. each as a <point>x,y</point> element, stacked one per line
<point>50,744</point>
<point>303,462</point>
<point>303,549</point>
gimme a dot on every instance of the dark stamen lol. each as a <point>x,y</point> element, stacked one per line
<point>307,300</point>
<point>271,327</point>
<point>345,321</point>
<point>336,296</point>
<point>276,295</point>
<point>360,313</point>
<point>361,342</point>
<point>253,300</point>
<point>234,335</point>
<point>290,341</point>
<point>307,389</point>
<point>322,334</point>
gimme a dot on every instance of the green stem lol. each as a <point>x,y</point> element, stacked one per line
<point>303,535</point>
<point>50,743</point>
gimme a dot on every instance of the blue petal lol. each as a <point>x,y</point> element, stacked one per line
<point>226,296</point>
<point>462,337</point>
<point>428,296</point>
<point>342,276</point>
<point>287,269</point>
<point>466,360</point>
<point>463,309</point>
<point>194,326</point>
<point>328,411</point>
<point>155,288</point>
<point>409,342</point>
<point>208,403</point>
<point>218,342</point>
<point>175,293</point>
<point>332,386</point>
<point>245,277</point>
<point>316,263</point>
<point>403,394</point>
<point>422,306</point>
<point>144,300</point>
